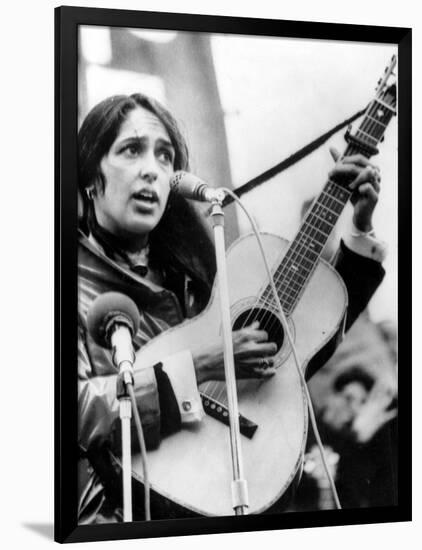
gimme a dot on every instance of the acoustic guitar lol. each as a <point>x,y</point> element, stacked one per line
<point>192,468</point>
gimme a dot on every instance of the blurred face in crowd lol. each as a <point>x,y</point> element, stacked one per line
<point>343,406</point>
<point>137,171</point>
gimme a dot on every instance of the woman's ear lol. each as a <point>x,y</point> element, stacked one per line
<point>90,192</point>
<point>96,186</point>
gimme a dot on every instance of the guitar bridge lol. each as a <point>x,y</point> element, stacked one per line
<point>220,412</point>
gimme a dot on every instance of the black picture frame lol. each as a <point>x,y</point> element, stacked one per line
<point>67,20</point>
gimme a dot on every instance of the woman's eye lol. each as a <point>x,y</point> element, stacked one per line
<point>131,150</point>
<point>165,156</point>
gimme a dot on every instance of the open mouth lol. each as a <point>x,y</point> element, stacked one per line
<point>148,196</point>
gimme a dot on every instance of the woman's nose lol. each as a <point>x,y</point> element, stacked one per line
<point>149,169</point>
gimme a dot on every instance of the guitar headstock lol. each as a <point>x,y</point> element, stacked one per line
<point>386,88</point>
<point>377,116</point>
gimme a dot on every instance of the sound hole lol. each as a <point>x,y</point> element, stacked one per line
<point>267,321</point>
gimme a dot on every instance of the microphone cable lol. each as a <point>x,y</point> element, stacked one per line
<point>293,347</point>
<point>114,310</point>
<point>141,439</point>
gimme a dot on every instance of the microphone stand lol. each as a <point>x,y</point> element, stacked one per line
<point>125,378</point>
<point>239,488</point>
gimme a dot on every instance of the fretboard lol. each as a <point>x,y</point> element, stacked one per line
<point>301,259</point>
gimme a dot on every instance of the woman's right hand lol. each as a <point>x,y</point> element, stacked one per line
<point>253,356</point>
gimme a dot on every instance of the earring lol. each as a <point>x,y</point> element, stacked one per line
<point>90,193</point>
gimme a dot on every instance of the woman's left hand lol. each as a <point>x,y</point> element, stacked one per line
<point>363,179</point>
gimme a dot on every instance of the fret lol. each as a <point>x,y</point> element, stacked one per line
<point>376,133</point>
<point>284,298</point>
<point>303,261</point>
<point>299,243</point>
<point>291,261</point>
<point>377,121</point>
<point>289,288</point>
<point>377,112</point>
<point>286,290</point>
<point>295,265</point>
<point>308,256</point>
<point>289,285</point>
<point>338,192</point>
<point>300,254</point>
<point>291,277</point>
<point>322,214</point>
<point>375,128</point>
<point>311,247</point>
<point>313,228</point>
<point>285,282</point>
<point>300,265</point>
<point>367,136</point>
<point>330,190</point>
<point>305,241</point>
<point>320,223</point>
<point>386,105</point>
<point>381,114</point>
<point>270,303</point>
<point>337,204</point>
<point>288,300</point>
<point>302,257</point>
<point>288,293</point>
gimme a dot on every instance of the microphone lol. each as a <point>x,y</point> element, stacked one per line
<point>113,320</point>
<point>192,187</point>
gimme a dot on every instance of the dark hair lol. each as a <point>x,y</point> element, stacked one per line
<point>180,244</point>
<point>101,126</point>
<point>354,374</point>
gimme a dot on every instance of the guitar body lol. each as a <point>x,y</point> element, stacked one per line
<point>192,468</point>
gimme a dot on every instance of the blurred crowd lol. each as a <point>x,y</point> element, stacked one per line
<point>355,398</point>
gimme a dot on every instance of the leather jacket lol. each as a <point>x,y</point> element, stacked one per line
<point>160,309</point>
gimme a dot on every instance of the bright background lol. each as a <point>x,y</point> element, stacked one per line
<point>249,102</point>
<point>27,275</point>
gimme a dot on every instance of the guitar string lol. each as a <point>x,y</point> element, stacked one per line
<point>295,255</point>
<point>216,390</point>
<point>369,125</point>
<point>298,249</point>
<point>302,245</point>
<point>294,351</point>
<point>295,270</point>
<point>220,387</point>
<point>299,258</point>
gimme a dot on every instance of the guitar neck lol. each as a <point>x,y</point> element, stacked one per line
<point>298,264</point>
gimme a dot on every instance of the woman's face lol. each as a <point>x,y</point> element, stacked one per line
<point>137,171</point>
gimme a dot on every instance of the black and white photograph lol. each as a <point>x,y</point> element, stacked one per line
<point>236,229</point>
